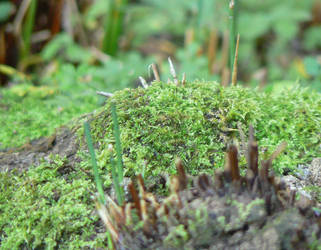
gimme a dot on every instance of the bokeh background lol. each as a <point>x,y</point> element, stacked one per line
<point>55,54</point>
<point>279,40</point>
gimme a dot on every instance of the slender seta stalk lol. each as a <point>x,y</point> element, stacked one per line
<point>233,30</point>
<point>234,73</point>
<point>120,170</point>
<point>27,29</point>
<point>114,26</point>
<point>99,184</point>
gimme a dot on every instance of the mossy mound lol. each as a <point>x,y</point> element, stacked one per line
<point>195,121</point>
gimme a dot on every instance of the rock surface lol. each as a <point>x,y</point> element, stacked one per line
<point>64,143</point>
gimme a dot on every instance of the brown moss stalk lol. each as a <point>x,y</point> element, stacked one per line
<point>212,49</point>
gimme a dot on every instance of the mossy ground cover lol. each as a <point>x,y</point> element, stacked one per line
<point>28,112</point>
<point>50,205</point>
<point>43,208</point>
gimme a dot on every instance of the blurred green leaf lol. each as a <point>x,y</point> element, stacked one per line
<point>312,38</point>
<point>255,25</point>
<point>312,66</point>
<point>6,9</point>
<point>64,47</point>
<point>96,10</point>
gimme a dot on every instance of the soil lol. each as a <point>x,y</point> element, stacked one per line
<point>64,143</point>
<point>309,175</point>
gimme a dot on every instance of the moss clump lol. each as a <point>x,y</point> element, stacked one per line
<point>195,121</point>
<point>28,112</point>
<point>48,206</point>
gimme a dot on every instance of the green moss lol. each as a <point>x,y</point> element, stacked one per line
<point>45,207</point>
<point>196,121</point>
<point>315,191</point>
<point>50,205</point>
<point>28,112</point>
<point>176,237</point>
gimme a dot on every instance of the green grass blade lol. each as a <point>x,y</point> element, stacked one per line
<point>98,181</point>
<point>114,26</point>
<point>120,170</point>
<point>27,28</point>
<point>110,241</point>
<point>115,177</point>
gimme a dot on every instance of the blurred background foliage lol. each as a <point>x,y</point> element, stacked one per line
<point>79,47</point>
<point>279,39</point>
